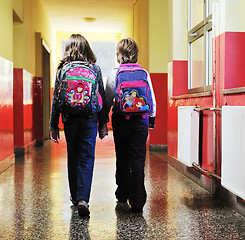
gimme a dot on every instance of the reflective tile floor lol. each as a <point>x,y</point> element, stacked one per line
<point>34,202</point>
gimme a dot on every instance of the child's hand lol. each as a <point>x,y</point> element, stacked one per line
<point>103,131</point>
<point>151,122</point>
<point>55,135</point>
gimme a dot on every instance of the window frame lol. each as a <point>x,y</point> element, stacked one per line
<point>200,30</point>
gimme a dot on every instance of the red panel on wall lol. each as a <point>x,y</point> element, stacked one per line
<point>158,136</point>
<point>6,109</point>
<point>180,78</point>
<point>234,59</point>
<point>18,108</point>
<point>28,124</point>
<point>6,131</point>
<point>23,120</point>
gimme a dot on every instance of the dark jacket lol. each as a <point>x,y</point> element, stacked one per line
<point>101,117</point>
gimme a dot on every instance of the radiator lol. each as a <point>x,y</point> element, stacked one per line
<point>233,149</point>
<point>188,135</point>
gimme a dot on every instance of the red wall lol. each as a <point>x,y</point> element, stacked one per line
<point>23,120</point>
<point>18,108</point>
<point>180,80</point>
<point>6,110</point>
<point>180,76</point>
<point>234,48</point>
<point>6,131</point>
<point>158,136</point>
<point>230,73</point>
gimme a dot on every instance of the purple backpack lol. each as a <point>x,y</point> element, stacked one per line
<point>78,93</point>
<point>132,91</point>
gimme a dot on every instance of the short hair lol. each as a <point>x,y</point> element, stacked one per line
<point>77,48</point>
<point>127,51</point>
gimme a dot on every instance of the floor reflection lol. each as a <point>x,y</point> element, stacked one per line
<point>129,226</point>
<point>34,202</point>
<point>78,226</point>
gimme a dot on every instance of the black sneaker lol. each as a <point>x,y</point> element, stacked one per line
<point>82,208</point>
<point>122,206</point>
<point>136,210</point>
<point>122,200</point>
<point>73,201</point>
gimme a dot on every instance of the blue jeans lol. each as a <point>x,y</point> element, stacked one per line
<point>80,136</point>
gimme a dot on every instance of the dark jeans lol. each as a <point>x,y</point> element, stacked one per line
<point>80,137</point>
<point>130,142</point>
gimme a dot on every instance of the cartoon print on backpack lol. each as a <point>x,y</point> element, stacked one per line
<point>132,102</point>
<point>126,102</point>
<point>79,96</point>
<point>140,104</point>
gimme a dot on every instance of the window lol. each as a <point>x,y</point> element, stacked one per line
<point>199,45</point>
<point>105,53</point>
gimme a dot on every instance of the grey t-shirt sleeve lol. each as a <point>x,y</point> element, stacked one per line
<point>110,87</point>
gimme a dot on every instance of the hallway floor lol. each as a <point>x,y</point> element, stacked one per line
<point>34,202</point>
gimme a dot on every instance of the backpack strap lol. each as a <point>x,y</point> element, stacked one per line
<point>129,65</point>
<point>94,68</point>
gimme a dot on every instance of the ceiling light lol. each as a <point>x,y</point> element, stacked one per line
<point>89,19</point>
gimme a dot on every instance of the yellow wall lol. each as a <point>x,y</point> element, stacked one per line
<point>18,43</point>
<point>178,32</point>
<point>170,30</point>
<point>158,36</point>
<point>42,21</point>
<point>18,8</point>
<point>141,30</point>
<point>35,19</point>
<point>128,31</point>
<point>24,40</point>
<point>143,25</point>
<point>6,26</point>
<point>232,17</point>
<point>43,33</point>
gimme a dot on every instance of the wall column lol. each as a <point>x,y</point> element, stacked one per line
<point>158,68</point>
<point>37,94</point>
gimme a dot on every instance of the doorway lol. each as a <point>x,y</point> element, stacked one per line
<point>46,89</point>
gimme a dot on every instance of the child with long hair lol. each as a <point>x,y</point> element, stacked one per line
<point>80,131</point>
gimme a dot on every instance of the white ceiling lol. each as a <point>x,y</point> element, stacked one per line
<point>67,15</point>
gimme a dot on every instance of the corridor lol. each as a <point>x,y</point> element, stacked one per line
<point>34,202</point>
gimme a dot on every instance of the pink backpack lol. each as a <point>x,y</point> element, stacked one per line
<point>78,92</point>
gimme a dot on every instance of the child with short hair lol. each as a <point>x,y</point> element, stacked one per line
<point>130,135</point>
